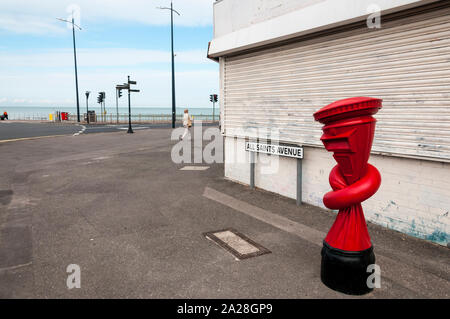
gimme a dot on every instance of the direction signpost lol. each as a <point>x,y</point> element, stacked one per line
<point>126,86</point>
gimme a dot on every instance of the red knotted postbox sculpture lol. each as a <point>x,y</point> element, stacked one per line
<point>347,250</point>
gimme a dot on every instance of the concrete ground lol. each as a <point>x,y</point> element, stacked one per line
<point>116,205</point>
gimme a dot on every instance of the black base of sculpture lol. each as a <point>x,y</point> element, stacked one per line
<point>346,271</point>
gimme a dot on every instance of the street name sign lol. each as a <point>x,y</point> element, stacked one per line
<point>275,149</point>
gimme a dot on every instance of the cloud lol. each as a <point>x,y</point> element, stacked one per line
<point>46,77</point>
<point>110,57</point>
<point>25,16</point>
<point>29,24</point>
<point>58,88</point>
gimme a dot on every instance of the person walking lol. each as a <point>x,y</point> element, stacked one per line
<point>187,123</point>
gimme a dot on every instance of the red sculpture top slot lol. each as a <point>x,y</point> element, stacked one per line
<point>348,108</point>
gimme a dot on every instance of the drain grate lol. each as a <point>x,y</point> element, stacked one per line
<point>236,243</point>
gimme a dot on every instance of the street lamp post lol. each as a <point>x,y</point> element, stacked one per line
<point>172,10</point>
<point>72,22</point>
<point>87,106</point>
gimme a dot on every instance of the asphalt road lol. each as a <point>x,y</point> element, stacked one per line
<point>108,128</point>
<point>117,206</point>
<point>10,130</point>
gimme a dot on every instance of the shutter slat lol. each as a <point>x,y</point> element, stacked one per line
<point>406,63</point>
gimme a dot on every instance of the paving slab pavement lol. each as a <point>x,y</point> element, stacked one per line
<point>116,205</point>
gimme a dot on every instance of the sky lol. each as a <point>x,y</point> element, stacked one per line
<point>118,38</point>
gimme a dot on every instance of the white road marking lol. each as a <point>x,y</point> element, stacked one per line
<point>32,138</point>
<point>405,275</point>
<point>100,158</point>
<point>134,128</point>
<point>194,168</point>
<point>15,267</point>
<point>83,128</point>
<point>96,128</point>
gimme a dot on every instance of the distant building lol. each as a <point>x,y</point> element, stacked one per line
<point>282,60</point>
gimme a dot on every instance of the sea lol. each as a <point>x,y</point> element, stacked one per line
<point>41,112</point>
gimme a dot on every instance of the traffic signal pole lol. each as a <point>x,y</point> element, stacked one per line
<point>87,106</point>
<point>103,108</point>
<point>101,101</point>
<point>213,99</point>
<point>117,105</point>
<point>130,130</point>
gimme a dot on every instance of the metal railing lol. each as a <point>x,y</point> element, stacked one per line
<point>27,117</point>
<point>112,118</point>
<point>143,118</point>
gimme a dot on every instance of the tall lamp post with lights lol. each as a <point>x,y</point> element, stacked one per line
<point>75,59</point>
<point>172,10</point>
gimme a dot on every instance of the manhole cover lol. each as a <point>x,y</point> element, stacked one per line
<point>236,243</point>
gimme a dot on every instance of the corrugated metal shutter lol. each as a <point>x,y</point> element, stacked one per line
<point>406,63</point>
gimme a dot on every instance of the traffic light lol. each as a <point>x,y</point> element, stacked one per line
<point>215,97</point>
<point>119,93</point>
<point>101,97</point>
<point>211,98</point>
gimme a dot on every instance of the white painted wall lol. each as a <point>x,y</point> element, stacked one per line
<point>233,15</point>
<point>285,170</point>
<point>414,197</point>
<point>236,163</point>
<point>240,25</point>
